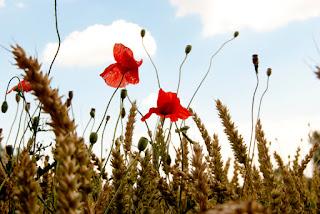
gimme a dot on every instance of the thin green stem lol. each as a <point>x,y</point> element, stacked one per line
<point>84,131</point>
<point>252,105</point>
<point>209,68</point>
<point>13,122</point>
<point>182,160</point>
<point>104,128</point>
<point>180,72</point>
<point>19,124</point>
<point>154,66</point>
<point>105,112</point>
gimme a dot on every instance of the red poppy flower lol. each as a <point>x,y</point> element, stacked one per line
<point>168,106</point>
<point>23,85</point>
<point>124,71</point>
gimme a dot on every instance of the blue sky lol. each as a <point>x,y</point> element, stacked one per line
<point>281,32</point>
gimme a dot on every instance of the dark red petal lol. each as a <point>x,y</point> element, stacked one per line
<point>124,56</point>
<point>132,76</point>
<point>183,113</point>
<point>23,85</point>
<point>173,117</point>
<point>151,111</point>
<point>165,97</point>
<point>112,75</point>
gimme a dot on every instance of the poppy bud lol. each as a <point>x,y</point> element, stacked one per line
<point>9,150</point>
<point>68,102</point>
<point>108,117</point>
<point>123,94</point>
<point>35,123</point>
<point>269,72</point>
<point>93,137</point>
<point>92,112</point>
<point>4,107</point>
<point>168,160</point>
<point>70,94</point>
<point>143,33</point>
<point>18,97</point>
<point>188,48</point>
<point>123,113</point>
<point>255,61</point>
<point>142,144</point>
<point>236,34</point>
<point>27,107</point>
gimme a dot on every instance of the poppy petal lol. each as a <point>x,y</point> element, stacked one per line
<point>124,56</point>
<point>183,113</point>
<point>132,76</point>
<point>151,111</point>
<point>112,75</point>
<point>165,97</point>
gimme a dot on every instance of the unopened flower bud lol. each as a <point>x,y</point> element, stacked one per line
<point>68,102</point>
<point>123,94</point>
<point>9,150</point>
<point>18,97</point>
<point>236,34</point>
<point>188,48</point>
<point>168,160</point>
<point>35,123</point>
<point>269,72</point>
<point>108,117</point>
<point>142,144</point>
<point>92,112</point>
<point>123,113</point>
<point>143,33</point>
<point>27,107</point>
<point>93,137</point>
<point>70,94</point>
<point>4,107</point>
<point>255,61</point>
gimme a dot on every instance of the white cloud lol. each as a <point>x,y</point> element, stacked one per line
<point>220,16</point>
<point>2,3</point>
<point>94,45</point>
<point>20,5</point>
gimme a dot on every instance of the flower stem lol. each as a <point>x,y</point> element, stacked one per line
<point>209,68</point>
<point>180,71</point>
<point>154,66</point>
<point>105,112</point>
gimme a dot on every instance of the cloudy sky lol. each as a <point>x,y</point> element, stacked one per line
<point>284,33</point>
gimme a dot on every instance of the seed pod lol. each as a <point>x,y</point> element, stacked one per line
<point>92,112</point>
<point>188,48</point>
<point>4,107</point>
<point>27,107</point>
<point>35,123</point>
<point>108,117</point>
<point>123,94</point>
<point>9,150</point>
<point>70,94</point>
<point>123,113</point>
<point>236,34</point>
<point>143,33</point>
<point>142,144</point>
<point>255,61</point>
<point>93,137</point>
<point>269,72</point>
<point>18,97</point>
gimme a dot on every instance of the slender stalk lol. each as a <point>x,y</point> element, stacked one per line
<point>252,105</point>
<point>180,72</point>
<point>104,128</point>
<point>182,160</point>
<point>13,122</point>
<point>209,68</point>
<point>113,140</point>
<point>105,112</point>
<point>19,124</point>
<point>84,131</point>
<point>154,66</point>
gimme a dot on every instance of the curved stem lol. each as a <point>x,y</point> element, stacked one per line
<point>105,112</point>
<point>252,105</point>
<point>154,66</point>
<point>15,141</point>
<point>180,71</point>
<point>209,68</point>
<point>104,128</point>
<point>84,131</point>
<point>14,120</point>
<point>265,91</point>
